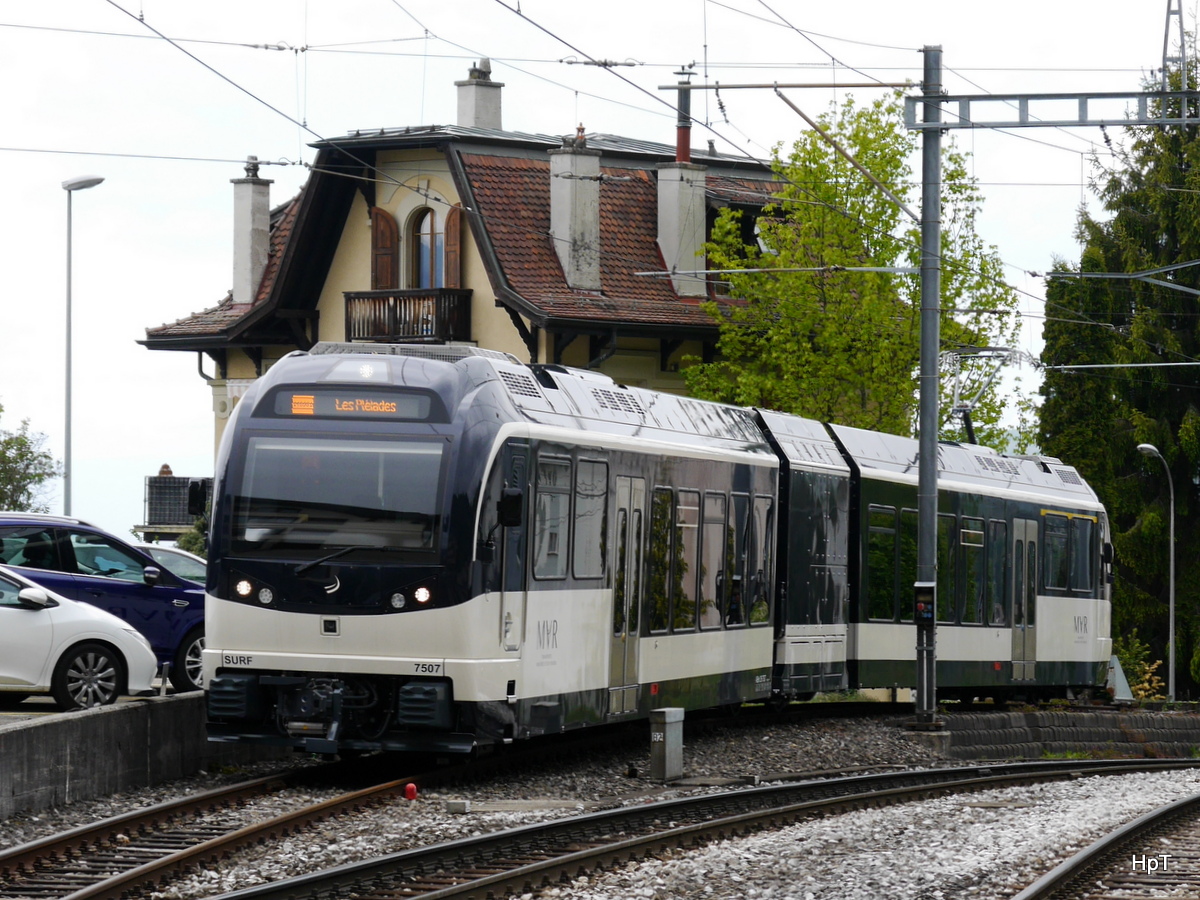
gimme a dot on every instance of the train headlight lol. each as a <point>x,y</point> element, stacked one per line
<point>265,596</point>
<point>244,588</point>
<point>398,600</point>
<point>422,595</point>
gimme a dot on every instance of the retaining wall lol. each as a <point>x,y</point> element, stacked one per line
<point>1031,735</point>
<point>51,760</point>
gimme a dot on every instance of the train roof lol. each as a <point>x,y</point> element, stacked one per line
<point>894,458</point>
<point>587,401</point>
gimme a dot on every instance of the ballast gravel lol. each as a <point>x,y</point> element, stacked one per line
<point>986,845</point>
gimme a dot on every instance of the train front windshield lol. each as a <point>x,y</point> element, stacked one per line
<point>324,493</point>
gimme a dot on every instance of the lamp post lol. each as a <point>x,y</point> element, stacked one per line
<point>1151,450</point>
<point>71,185</point>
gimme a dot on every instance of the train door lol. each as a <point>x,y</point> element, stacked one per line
<point>627,596</point>
<point>1024,586</point>
<point>512,557</point>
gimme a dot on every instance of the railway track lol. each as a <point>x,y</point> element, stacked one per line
<point>1157,855</point>
<point>145,846</point>
<point>525,859</point>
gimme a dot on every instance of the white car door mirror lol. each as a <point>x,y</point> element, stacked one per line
<point>35,596</point>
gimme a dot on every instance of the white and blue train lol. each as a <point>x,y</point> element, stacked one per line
<point>441,548</point>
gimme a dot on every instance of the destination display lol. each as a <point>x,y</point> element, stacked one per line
<point>350,404</point>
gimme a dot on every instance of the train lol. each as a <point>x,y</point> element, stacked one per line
<point>439,548</point>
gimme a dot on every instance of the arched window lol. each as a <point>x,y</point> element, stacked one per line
<point>428,246</point>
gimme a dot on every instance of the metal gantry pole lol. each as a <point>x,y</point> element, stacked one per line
<point>67,430</point>
<point>925,590</point>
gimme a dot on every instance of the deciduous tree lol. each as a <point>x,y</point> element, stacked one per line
<point>25,467</point>
<point>813,336</point>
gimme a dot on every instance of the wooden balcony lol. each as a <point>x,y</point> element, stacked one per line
<point>417,316</point>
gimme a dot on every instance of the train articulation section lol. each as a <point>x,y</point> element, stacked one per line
<point>443,549</point>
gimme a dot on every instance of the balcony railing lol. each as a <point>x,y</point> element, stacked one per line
<point>418,316</point>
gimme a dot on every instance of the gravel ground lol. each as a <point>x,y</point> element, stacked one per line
<point>952,847</point>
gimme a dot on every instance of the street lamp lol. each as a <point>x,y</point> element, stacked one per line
<point>1151,450</point>
<point>71,185</point>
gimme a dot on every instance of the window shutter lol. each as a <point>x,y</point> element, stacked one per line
<point>385,251</point>
<point>453,251</point>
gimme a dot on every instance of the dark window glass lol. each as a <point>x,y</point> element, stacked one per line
<point>908,561</point>
<point>997,567</point>
<point>323,493</point>
<point>551,517</point>
<point>95,555</point>
<point>658,565</point>
<point>1031,585</point>
<point>712,560</point>
<point>881,563</point>
<point>973,574</point>
<point>947,580</point>
<point>1018,616</point>
<point>759,598</point>
<point>591,504</point>
<point>31,546</point>
<point>739,540</point>
<point>622,569</point>
<point>1083,554</point>
<point>1054,552</point>
<point>687,543</point>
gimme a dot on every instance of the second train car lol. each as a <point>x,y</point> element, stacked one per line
<point>441,548</point>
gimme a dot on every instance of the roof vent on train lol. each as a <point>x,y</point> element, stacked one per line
<point>998,464</point>
<point>441,352</point>
<point>617,400</point>
<point>519,384</point>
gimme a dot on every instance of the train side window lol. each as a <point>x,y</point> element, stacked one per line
<point>759,596</point>
<point>712,555</point>
<point>619,583</point>
<point>997,567</point>
<point>908,561</point>
<point>591,518</point>
<point>687,558</point>
<point>1054,552</point>
<point>1083,554</point>
<point>635,574</point>
<point>881,562</point>
<point>739,535</point>
<point>551,518</point>
<point>658,564</point>
<point>947,582</point>
<point>971,540</point>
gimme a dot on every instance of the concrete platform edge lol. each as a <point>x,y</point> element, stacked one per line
<point>55,760</point>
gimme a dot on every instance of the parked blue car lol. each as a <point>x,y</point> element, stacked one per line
<point>78,560</point>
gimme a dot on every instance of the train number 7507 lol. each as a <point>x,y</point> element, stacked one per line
<point>427,668</point>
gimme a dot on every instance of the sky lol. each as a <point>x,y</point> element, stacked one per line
<point>164,99</point>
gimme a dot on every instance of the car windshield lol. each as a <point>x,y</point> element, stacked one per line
<point>333,492</point>
<point>178,564</point>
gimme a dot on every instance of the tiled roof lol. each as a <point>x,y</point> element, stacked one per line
<point>512,194</point>
<point>217,319</point>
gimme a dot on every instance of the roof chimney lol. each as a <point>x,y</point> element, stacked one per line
<point>575,211</point>
<point>251,231</point>
<point>683,120</point>
<point>479,98</point>
<point>682,226</point>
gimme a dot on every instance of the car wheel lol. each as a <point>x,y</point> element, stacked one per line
<point>187,671</point>
<point>86,676</point>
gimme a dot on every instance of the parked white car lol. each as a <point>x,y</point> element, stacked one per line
<point>74,651</point>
